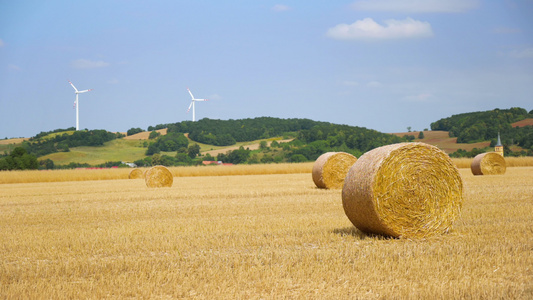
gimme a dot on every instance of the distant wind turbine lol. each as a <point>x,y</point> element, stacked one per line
<point>192,104</point>
<point>76,103</point>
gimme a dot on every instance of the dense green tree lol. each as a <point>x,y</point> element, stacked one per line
<point>154,134</point>
<point>193,151</point>
<point>133,131</point>
<point>481,126</point>
<point>298,158</point>
<point>19,159</point>
<point>263,145</point>
<point>152,149</point>
<point>183,158</point>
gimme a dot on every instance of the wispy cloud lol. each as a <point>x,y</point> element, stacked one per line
<point>506,30</point>
<point>350,83</point>
<point>368,29</point>
<point>280,7</point>
<point>422,97</point>
<point>214,97</point>
<point>416,6</point>
<point>524,53</point>
<point>88,64</point>
<point>13,67</point>
<point>374,84</point>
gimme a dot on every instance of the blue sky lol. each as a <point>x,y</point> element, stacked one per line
<point>380,64</point>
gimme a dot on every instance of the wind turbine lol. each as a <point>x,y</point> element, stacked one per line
<point>76,103</point>
<point>192,104</point>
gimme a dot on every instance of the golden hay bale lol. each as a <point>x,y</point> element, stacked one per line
<point>158,176</point>
<point>408,190</point>
<point>330,169</point>
<point>490,163</point>
<point>136,174</point>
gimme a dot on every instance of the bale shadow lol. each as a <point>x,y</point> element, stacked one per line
<point>358,234</point>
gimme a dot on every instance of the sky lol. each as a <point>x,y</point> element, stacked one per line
<point>386,65</point>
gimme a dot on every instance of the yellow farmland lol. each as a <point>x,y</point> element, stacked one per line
<point>268,236</point>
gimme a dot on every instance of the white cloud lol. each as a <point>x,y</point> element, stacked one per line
<point>422,97</point>
<point>416,6</point>
<point>350,83</point>
<point>525,53</point>
<point>506,30</point>
<point>368,29</point>
<point>13,67</point>
<point>214,97</point>
<point>88,64</point>
<point>280,7</point>
<point>374,84</point>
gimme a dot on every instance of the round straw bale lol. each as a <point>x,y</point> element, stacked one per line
<point>490,163</point>
<point>409,190</point>
<point>158,176</point>
<point>330,169</point>
<point>136,173</point>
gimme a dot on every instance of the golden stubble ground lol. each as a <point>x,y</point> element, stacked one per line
<point>254,236</point>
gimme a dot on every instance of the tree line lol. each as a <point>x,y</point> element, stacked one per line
<point>482,126</point>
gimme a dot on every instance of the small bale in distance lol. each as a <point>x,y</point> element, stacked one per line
<point>490,163</point>
<point>330,168</point>
<point>407,190</point>
<point>158,176</point>
<point>136,174</point>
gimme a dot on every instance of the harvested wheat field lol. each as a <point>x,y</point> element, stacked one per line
<point>269,236</point>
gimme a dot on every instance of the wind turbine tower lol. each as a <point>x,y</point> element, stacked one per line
<point>76,103</point>
<point>192,104</point>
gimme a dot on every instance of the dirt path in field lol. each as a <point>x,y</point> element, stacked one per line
<point>253,146</point>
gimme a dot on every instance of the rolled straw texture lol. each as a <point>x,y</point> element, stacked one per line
<point>330,168</point>
<point>136,173</point>
<point>490,163</point>
<point>158,176</point>
<point>409,190</point>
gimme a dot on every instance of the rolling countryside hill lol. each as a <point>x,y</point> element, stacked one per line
<point>132,148</point>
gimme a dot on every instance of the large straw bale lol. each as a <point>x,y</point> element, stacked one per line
<point>408,190</point>
<point>158,176</point>
<point>136,174</point>
<point>330,168</point>
<point>490,163</point>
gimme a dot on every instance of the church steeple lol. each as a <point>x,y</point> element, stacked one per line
<point>499,147</point>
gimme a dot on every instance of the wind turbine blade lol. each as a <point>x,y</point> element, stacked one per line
<point>85,91</point>
<point>192,97</point>
<point>201,99</point>
<point>73,86</point>
<point>190,106</point>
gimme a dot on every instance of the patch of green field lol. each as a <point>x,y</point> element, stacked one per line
<point>54,134</point>
<point>115,150</point>
<point>8,147</point>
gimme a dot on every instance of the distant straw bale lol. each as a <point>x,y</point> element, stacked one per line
<point>490,163</point>
<point>136,174</point>
<point>158,176</point>
<point>330,168</point>
<point>409,190</point>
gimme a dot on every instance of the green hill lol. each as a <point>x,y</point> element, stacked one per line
<point>248,140</point>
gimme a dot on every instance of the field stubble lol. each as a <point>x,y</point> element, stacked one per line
<point>254,236</point>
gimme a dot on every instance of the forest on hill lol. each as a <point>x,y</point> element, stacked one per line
<point>484,126</point>
<point>308,139</point>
